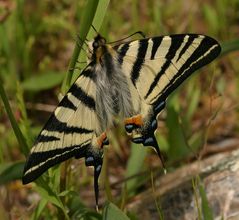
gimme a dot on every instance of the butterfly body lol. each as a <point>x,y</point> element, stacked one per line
<point>131,81</point>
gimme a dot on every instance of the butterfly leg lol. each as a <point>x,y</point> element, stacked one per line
<point>146,134</point>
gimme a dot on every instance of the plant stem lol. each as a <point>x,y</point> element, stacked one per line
<point>16,129</point>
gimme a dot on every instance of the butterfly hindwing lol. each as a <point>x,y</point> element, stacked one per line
<point>66,134</point>
<point>155,67</point>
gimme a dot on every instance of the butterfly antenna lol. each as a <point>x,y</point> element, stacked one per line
<point>125,38</point>
<point>141,33</point>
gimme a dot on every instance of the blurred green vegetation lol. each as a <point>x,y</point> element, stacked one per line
<point>38,58</point>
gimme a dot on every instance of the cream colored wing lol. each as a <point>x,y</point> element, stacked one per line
<point>158,65</point>
<point>155,67</point>
<point>67,132</point>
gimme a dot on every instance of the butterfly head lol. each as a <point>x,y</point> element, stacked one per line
<point>97,48</point>
<point>99,41</point>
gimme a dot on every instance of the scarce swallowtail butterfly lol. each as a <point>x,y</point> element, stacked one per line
<point>130,80</point>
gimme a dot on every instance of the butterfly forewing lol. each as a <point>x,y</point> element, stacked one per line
<point>67,133</point>
<point>158,65</point>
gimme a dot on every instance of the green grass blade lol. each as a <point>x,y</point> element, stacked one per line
<point>206,210</point>
<point>16,129</point>
<point>86,21</point>
<point>94,13</point>
<point>97,21</point>
<point>175,132</point>
<point>113,212</point>
<point>50,195</point>
<point>211,17</point>
<point>10,172</point>
<point>39,210</point>
<point>230,46</point>
<point>99,17</point>
<point>134,165</point>
<point>196,197</point>
<point>44,81</point>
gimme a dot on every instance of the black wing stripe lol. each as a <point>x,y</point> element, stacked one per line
<point>82,96</point>
<point>187,45</point>
<point>56,125</point>
<point>122,52</point>
<point>44,138</point>
<point>143,45</point>
<point>198,59</point>
<point>156,43</point>
<point>88,73</point>
<point>67,103</point>
<point>175,45</point>
<point>41,161</point>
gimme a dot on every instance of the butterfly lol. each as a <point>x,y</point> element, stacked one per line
<point>131,81</point>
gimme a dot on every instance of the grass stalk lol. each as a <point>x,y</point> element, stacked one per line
<point>16,129</point>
